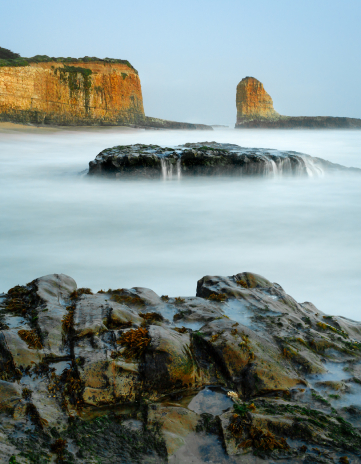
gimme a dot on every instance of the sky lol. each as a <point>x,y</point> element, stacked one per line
<point>191,54</point>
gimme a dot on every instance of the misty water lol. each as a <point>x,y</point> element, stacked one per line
<point>303,233</point>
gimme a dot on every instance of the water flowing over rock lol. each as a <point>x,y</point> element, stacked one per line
<point>206,159</point>
<point>255,110</point>
<point>240,373</point>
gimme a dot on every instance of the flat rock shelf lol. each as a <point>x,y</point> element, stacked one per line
<point>206,159</point>
<point>239,373</point>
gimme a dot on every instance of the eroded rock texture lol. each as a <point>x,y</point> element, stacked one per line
<point>71,94</point>
<point>240,373</point>
<point>102,92</point>
<point>253,102</point>
<point>255,110</point>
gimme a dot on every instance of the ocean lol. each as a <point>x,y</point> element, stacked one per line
<point>301,232</point>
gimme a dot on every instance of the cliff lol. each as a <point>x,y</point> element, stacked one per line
<point>71,94</point>
<point>79,92</point>
<point>255,110</point>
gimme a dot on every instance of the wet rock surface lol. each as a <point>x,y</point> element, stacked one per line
<point>239,373</point>
<point>205,159</point>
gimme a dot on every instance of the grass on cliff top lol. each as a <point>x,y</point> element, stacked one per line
<point>9,58</point>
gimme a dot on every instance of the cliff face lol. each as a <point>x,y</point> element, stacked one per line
<point>253,102</point>
<point>91,92</point>
<point>71,94</point>
<point>255,110</point>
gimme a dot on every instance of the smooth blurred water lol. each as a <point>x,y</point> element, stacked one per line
<point>302,233</point>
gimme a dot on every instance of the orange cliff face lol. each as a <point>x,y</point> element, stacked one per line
<point>75,93</point>
<point>253,102</point>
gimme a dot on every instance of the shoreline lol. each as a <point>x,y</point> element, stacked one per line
<point>9,127</point>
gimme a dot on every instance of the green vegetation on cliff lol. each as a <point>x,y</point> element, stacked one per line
<point>9,58</point>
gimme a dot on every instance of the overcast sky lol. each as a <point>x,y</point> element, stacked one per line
<point>191,54</point>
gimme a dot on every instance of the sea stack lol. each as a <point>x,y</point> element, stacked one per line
<point>253,102</point>
<point>255,110</point>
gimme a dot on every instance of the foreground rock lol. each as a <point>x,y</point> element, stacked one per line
<point>206,159</point>
<point>255,110</point>
<point>241,373</point>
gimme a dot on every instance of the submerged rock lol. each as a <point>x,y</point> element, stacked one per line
<point>206,159</point>
<point>128,376</point>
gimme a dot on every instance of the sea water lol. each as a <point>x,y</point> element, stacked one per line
<point>303,233</point>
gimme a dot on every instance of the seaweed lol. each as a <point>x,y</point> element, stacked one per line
<point>129,300</point>
<point>79,292</point>
<point>26,393</point>
<point>9,371</point>
<point>236,426</point>
<point>245,343</point>
<point>255,437</point>
<point>31,338</point>
<point>151,317</point>
<point>221,297</point>
<point>324,326</point>
<point>264,440</point>
<point>68,319</point>
<point>181,330</point>
<point>135,342</point>
<point>73,387</point>
<point>214,337</point>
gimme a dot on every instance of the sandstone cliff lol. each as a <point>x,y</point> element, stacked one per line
<point>71,94</point>
<point>255,110</point>
<point>253,102</point>
<point>86,91</point>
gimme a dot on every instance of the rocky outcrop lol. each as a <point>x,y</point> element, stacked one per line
<point>255,110</point>
<point>253,102</point>
<point>240,373</point>
<point>206,159</point>
<point>77,92</point>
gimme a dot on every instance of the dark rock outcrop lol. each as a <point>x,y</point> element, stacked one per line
<point>255,110</point>
<point>206,159</point>
<point>242,369</point>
